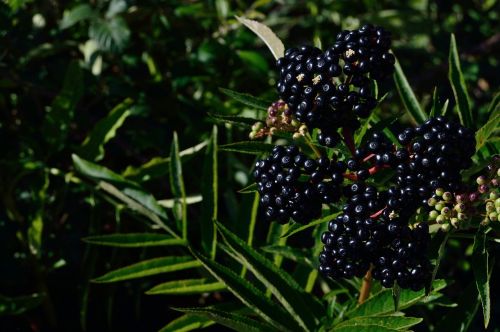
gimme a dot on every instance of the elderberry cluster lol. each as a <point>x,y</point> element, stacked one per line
<point>291,185</point>
<point>330,90</point>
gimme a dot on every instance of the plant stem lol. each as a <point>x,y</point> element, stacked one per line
<point>366,286</point>
<point>308,140</point>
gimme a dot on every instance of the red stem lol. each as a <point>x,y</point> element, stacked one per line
<point>378,213</point>
<point>369,157</point>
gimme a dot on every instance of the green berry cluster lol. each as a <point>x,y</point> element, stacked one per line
<point>279,119</point>
<point>448,209</point>
<point>488,190</point>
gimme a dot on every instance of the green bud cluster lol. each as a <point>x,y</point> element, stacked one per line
<point>447,209</point>
<point>488,188</point>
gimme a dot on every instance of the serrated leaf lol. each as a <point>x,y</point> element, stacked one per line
<point>246,99</point>
<point>458,85</point>
<point>129,192</point>
<point>440,256</point>
<point>407,96</point>
<point>105,130</point>
<point>364,328</point>
<point>296,227</point>
<point>210,192</point>
<point>187,323</point>
<point>148,268</point>
<point>251,147</point>
<point>480,266</point>
<point>234,119</point>
<point>159,166</point>
<point>293,254</point>
<point>19,304</point>
<point>382,303</point>
<point>177,187</point>
<point>491,126</point>
<point>266,35</point>
<point>251,188</point>
<point>306,310</point>
<point>392,322</point>
<point>249,295</point>
<point>133,240</point>
<point>188,286</point>
<point>77,14</point>
<point>232,320</point>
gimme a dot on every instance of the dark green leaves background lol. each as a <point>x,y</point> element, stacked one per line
<point>107,114</point>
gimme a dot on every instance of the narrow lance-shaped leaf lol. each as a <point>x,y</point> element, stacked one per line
<point>229,319</point>
<point>491,126</point>
<point>133,240</point>
<point>20,304</point>
<point>247,99</point>
<point>392,322</point>
<point>210,196</point>
<point>266,35</point>
<point>458,85</point>
<point>302,306</point>
<point>105,129</point>
<point>187,323</point>
<point>249,295</point>
<point>251,147</point>
<point>407,96</point>
<point>148,268</point>
<point>177,187</point>
<point>188,286</point>
<point>480,266</point>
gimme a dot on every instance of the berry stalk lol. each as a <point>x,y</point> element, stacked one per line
<point>364,291</point>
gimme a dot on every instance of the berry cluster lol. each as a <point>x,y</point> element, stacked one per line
<point>330,90</point>
<point>279,118</point>
<point>446,208</point>
<point>291,185</point>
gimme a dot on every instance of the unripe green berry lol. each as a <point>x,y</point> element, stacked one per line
<point>454,222</point>
<point>493,195</point>
<point>447,196</point>
<point>445,227</point>
<point>439,206</point>
<point>481,180</point>
<point>493,216</point>
<point>490,207</point>
<point>461,216</point>
<point>295,123</point>
<point>440,219</point>
<point>497,202</point>
<point>460,207</point>
<point>296,136</point>
<point>252,135</point>
<point>439,192</point>
<point>431,201</point>
<point>446,211</point>
<point>257,126</point>
<point>433,215</point>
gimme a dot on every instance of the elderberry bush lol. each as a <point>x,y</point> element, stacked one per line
<point>332,89</point>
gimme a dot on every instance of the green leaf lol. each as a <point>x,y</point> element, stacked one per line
<point>246,99</point>
<point>129,192</point>
<point>444,109</point>
<point>234,119</point>
<point>480,266</point>
<point>250,189</point>
<point>158,167</point>
<point>266,35</point>
<point>407,96</point>
<point>296,227</point>
<point>56,124</point>
<point>364,328</point>
<point>20,304</point>
<point>293,254</point>
<point>177,187</point>
<point>169,203</point>
<point>133,240</point>
<point>251,147</point>
<point>440,255</point>
<point>148,268</point>
<point>382,303</point>
<point>492,126</point>
<point>187,323</point>
<point>209,206</point>
<point>458,85</point>
<point>111,34</point>
<point>228,319</point>
<point>189,286</point>
<point>306,310</point>
<point>396,295</point>
<point>249,295</point>
<point>434,107</point>
<point>391,322</point>
<point>105,130</point>
<point>77,14</point>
